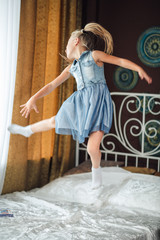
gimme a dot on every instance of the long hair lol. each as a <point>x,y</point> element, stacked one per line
<point>90,34</point>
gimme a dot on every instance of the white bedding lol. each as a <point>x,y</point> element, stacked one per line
<point>126,207</point>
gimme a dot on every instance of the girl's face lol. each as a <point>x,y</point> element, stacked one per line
<point>70,48</point>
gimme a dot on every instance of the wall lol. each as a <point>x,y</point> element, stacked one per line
<point>126,20</point>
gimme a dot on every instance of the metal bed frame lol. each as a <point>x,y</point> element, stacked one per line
<point>135,132</point>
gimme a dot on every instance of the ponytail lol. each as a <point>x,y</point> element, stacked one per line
<point>89,36</point>
<point>101,32</point>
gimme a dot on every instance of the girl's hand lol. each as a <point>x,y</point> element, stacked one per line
<point>144,75</point>
<point>26,108</point>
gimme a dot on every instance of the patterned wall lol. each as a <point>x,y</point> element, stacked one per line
<point>135,28</point>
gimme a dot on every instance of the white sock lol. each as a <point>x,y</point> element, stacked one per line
<point>96,177</point>
<point>17,129</point>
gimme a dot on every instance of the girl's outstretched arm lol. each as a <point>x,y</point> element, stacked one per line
<point>100,57</point>
<point>31,103</point>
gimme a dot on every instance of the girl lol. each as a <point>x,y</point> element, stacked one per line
<point>88,111</point>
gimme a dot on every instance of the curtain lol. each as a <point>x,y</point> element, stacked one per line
<point>64,147</point>
<point>9,28</point>
<point>45,27</point>
<point>46,68</point>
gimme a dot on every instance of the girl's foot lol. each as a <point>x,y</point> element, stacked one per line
<point>17,129</point>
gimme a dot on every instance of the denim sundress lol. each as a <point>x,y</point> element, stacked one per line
<point>90,108</point>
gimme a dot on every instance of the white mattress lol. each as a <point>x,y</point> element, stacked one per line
<point>67,208</point>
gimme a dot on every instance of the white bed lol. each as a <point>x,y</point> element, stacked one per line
<point>126,207</point>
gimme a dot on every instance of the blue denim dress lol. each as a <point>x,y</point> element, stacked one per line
<point>88,109</point>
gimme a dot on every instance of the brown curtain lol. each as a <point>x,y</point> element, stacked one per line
<point>64,147</point>
<point>45,27</point>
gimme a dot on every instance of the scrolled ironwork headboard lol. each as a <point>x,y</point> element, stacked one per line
<point>135,132</point>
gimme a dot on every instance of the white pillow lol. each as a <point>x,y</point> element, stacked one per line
<point>138,192</point>
<point>77,187</point>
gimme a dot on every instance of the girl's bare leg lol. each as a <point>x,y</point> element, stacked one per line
<point>93,148</point>
<point>43,125</point>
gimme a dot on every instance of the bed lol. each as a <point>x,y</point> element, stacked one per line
<point>126,207</point>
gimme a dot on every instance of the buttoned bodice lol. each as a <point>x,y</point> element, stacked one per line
<point>86,71</point>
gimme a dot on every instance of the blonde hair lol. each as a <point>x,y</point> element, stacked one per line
<point>88,37</point>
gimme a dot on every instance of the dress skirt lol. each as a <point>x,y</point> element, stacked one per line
<point>85,111</point>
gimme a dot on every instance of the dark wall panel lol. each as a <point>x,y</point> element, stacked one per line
<point>126,21</point>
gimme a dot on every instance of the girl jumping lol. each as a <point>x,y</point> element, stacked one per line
<point>88,111</point>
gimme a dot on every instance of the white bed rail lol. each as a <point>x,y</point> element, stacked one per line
<point>135,133</point>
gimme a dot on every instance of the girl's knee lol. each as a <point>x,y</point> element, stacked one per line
<point>52,121</point>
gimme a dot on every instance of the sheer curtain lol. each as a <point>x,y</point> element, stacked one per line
<point>9,34</point>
